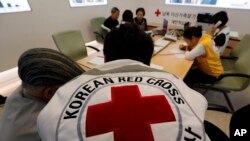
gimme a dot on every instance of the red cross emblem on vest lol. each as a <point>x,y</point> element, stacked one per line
<point>128,115</point>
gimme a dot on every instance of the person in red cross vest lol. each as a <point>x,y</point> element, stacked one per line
<point>124,99</point>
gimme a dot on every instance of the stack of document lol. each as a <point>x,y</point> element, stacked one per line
<point>170,37</point>
<point>157,49</point>
<point>161,42</point>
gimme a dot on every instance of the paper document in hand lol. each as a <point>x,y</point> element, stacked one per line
<point>97,60</point>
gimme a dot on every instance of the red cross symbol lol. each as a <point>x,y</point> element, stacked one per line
<point>128,115</point>
<point>157,12</point>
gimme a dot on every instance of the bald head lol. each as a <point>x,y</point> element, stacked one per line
<point>43,67</point>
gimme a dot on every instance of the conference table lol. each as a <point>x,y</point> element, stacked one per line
<point>172,60</point>
<point>169,59</point>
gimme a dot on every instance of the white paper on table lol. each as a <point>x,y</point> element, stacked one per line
<point>181,56</point>
<point>157,49</point>
<point>98,60</point>
<point>176,51</point>
<point>156,66</point>
<point>161,42</point>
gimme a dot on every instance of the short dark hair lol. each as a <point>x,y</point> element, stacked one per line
<point>127,16</point>
<point>220,16</point>
<point>192,31</point>
<point>114,9</point>
<point>140,9</point>
<point>128,42</point>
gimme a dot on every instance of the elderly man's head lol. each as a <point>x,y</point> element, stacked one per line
<point>44,70</point>
<point>115,12</point>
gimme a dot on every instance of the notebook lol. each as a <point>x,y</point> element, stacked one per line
<point>164,29</point>
<point>165,25</point>
<point>186,25</point>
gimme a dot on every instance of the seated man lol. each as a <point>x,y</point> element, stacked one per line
<point>124,99</point>
<point>112,21</point>
<point>42,71</point>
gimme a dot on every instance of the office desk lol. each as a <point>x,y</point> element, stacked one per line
<point>171,62</point>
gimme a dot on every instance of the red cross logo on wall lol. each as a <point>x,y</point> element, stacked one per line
<point>157,12</point>
<point>128,115</point>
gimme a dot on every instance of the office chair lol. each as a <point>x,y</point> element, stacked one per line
<point>71,44</point>
<point>241,47</point>
<point>97,29</point>
<point>237,79</point>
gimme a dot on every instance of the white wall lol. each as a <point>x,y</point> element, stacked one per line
<point>21,31</point>
<point>24,30</point>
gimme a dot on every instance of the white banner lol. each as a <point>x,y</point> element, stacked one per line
<point>239,4</point>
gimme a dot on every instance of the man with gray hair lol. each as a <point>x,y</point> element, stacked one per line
<point>112,21</point>
<point>42,72</point>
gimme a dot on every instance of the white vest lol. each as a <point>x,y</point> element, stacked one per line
<point>131,106</point>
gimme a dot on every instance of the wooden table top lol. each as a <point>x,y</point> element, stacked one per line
<point>170,58</point>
